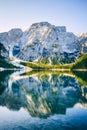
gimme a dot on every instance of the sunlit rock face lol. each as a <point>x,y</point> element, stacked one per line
<point>45,43</point>
<point>83,42</point>
<point>48,43</point>
<point>10,38</point>
<point>42,42</point>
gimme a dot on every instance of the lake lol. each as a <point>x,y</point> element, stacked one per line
<point>43,100</point>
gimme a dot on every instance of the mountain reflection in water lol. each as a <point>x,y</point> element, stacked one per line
<point>53,100</point>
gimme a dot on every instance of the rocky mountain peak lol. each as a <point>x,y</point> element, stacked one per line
<point>83,42</point>
<point>82,35</point>
<point>11,37</point>
<point>17,32</point>
<point>45,43</point>
<point>43,25</point>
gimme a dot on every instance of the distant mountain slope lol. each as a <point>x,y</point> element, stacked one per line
<point>83,42</point>
<point>10,38</point>
<point>44,43</point>
<point>47,43</point>
<point>4,58</point>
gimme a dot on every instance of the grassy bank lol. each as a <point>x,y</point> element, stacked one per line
<point>45,66</point>
<point>80,63</point>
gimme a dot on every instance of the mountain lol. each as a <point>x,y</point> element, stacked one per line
<point>83,42</point>
<point>3,52</point>
<point>47,43</point>
<point>4,57</point>
<point>44,43</point>
<point>11,37</point>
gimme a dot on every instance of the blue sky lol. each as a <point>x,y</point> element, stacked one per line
<point>22,13</point>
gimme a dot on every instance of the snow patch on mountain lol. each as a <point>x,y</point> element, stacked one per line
<point>44,42</point>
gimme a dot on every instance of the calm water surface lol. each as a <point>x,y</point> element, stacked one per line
<point>43,100</point>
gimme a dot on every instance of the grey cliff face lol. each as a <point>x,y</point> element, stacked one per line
<point>45,43</point>
<point>3,52</point>
<point>83,42</point>
<point>10,38</point>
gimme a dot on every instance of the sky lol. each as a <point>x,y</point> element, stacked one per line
<point>23,13</point>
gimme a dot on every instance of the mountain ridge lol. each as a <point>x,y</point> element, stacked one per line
<point>44,43</point>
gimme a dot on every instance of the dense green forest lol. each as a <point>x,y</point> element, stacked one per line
<point>81,63</point>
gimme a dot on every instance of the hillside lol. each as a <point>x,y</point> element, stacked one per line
<point>4,58</point>
<point>81,62</point>
<point>48,43</point>
<point>42,42</point>
<point>43,45</point>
